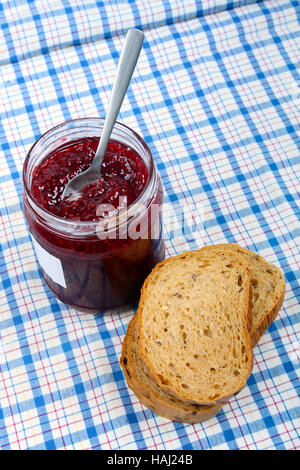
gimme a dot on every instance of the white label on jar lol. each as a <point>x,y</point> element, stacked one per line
<point>50,264</point>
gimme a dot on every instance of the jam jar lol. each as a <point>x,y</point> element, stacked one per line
<point>94,260</point>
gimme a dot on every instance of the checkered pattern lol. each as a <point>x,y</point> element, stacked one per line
<point>216,97</point>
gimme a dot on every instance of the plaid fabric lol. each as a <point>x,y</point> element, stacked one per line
<point>216,97</point>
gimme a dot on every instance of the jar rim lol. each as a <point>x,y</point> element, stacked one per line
<point>89,225</point>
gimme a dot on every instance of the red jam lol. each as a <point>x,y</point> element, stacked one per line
<point>98,274</point>
<point>122,174</point>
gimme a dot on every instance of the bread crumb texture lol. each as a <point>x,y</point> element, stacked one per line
<point>192,325</point>
<point>149,393</point>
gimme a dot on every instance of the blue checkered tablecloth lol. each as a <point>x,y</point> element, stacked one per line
<point>216,96</point>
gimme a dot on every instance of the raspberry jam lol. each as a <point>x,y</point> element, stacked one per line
<point>82,268</point>
<point>123,173</point>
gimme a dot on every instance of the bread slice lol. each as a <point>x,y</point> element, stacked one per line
<point>148,392</point>
<point>193,320</point>
<point>268,289</point>
<point>268,292</point>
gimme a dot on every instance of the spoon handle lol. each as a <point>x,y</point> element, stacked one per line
<point>127,62</point>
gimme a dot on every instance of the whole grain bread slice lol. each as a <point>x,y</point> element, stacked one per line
<point>193,321</point>
<point>268,289</point>
<point>148,392</point>
<point>268,285</point>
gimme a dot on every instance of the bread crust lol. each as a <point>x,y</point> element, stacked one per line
<point>258,330</point>
<point>245,322</point>
<point>266,321</point>
<point>167,413</point>
<point>166,407</point>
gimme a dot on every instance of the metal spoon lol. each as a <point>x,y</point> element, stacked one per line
<point>127,62</point>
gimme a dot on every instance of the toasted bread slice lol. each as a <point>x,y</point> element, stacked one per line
<point>193,320</point>
<point>268,289</point>
<point>148,392</point>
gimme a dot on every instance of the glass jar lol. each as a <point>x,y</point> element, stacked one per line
<point>89,266</point>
